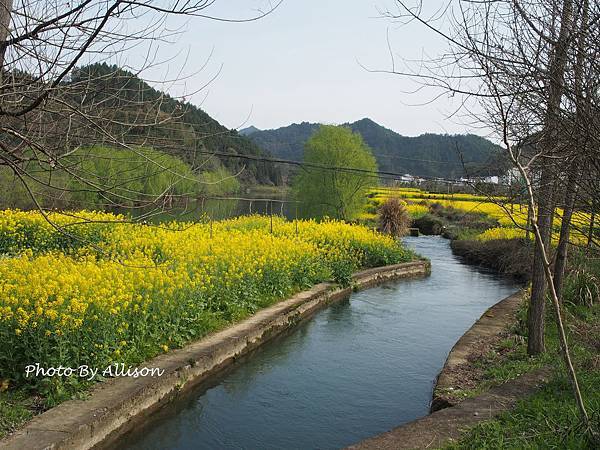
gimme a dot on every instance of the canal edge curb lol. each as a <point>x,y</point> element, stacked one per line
<point>111,405</point>
<point>492,322</point>
<point>446,419</point>
<point>444,426</point>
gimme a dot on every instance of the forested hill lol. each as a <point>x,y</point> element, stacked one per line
<point>191,134</point>
<point>428,155</point>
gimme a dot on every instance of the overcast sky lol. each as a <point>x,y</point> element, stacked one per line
<point>303,63</point>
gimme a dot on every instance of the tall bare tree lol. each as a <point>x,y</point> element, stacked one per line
<point>532,67</point>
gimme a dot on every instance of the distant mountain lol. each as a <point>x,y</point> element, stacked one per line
<point>249,130</point>
<point>428,155</point>
<point>192,135</point>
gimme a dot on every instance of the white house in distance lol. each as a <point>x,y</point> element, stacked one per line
<point>511,177</point>
<point>494,179</point>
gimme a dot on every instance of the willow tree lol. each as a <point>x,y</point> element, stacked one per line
<point>340,169</point>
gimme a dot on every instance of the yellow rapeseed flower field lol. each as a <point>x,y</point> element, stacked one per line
<point>512,217</point>
<point>501,233</point>
<point>111,291</point>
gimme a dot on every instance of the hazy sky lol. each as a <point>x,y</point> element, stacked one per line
<point>303,63</point>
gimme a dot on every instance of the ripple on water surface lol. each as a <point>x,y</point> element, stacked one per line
<point>356,369</point>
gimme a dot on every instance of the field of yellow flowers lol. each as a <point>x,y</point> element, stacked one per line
<point>511,217</point>
<point>91,288</point>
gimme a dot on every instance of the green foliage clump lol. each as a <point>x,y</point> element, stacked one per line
<point>334,193</point>
<point>105,176</point>
<point>100,177</point>
<point>430,224</point>
<point>219,182</point>
<point>14,194</point>
<point>341,271</point>
<point>582,285</point>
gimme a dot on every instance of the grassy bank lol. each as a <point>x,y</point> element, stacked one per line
<point>109,291</point>
<point>510,257</point>
<point>547,419</point>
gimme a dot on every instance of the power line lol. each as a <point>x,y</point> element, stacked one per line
<point>304,164</point>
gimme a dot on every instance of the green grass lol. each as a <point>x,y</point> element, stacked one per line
<point>16,408</point>
<point>547,419</point>
<point>507,359</point>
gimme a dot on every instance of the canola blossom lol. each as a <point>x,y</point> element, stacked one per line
<point>416,194</point>
<point>117,291</point>
<point>512,217</point>
<point>21,230</point>
<point>501,233</point>
<point>417,210</point>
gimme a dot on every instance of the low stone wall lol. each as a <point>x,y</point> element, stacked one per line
<point>112,405</point>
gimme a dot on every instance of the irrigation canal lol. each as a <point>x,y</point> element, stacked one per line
<point>358,368</point>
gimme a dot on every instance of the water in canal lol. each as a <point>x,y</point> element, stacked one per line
<point>358,368</point>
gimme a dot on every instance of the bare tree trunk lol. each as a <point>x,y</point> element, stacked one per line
<point>563,242</point>
<point>543,227</point>
<point>536,314</point>
<point>591,231</point>
<point>581,112</point>
<point>555,196</point>
<point>528,223</point>
<point>5,14</point>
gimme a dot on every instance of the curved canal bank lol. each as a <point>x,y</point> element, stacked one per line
<point>446,425</point>
<point>357,369</point>
<point>475,342</point>
<point>117,405</point>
